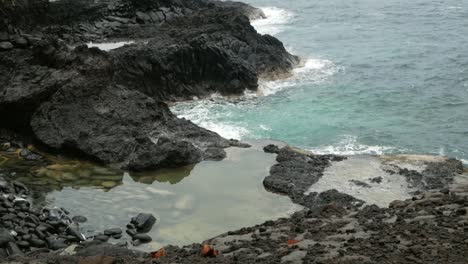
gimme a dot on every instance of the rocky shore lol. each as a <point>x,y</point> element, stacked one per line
<point>109,107</point>
<point>333,227</point>
<point>58,97</point>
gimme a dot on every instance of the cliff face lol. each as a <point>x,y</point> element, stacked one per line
<point>108,106</point>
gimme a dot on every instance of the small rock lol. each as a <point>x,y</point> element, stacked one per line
<point>102,238</point>
<point>23,244</point>
<point>21,42</point>
<point>79,219</point>
<point>55,214</point>
<point>143,238</point>
<point>5,237</point>
<point>271,149</point>
<point>131,232</point>
<point>35,242</point>
<point>56,244</point>
<point>6,46</point>
<point>13,249</point>
<point>143,222</point>
<point>112,231</point>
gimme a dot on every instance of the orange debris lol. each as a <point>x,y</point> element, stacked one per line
<point>209,251</point>
<point>293,241</point>
<point>159,254</point>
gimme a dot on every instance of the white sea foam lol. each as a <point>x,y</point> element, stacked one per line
<point>274,22</point>
<point>464,161</point>
<point>349,146</point>
<point>109,46</point>
<point>205,114</point>
<point>312,71</point>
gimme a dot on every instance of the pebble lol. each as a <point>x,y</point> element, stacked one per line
<point>112,231</point>
<point>102,238</point>
<point>79,219</point>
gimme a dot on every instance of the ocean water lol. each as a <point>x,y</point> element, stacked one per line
<point>379,77</point>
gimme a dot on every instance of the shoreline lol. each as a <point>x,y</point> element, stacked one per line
<point>330,207</point>
<point>112,108</point>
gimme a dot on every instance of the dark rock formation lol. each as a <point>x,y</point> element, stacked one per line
<point>296,171</point>
<point>108,107</point>
<point>436,175</point>
<point>271,149</point>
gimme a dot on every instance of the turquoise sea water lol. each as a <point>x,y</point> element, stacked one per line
<point>380,77</point>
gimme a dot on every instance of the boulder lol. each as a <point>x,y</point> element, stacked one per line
<point>143,222</point>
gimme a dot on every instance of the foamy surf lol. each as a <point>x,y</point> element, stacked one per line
<point>312,71</point>
<point>350,146</point>
<point>274,22</point>
<point>206,113</point>
<point>109,46</point>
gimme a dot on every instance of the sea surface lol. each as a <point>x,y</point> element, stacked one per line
<point>379,77</point>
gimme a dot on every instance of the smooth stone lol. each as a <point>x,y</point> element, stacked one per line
<point>131,232</point>
<point>79,219</point>
<point>112,231</point>
<point>6,45</point>
<point>102,238</point>
<point>35,242</point>
<point>143,238</point>
<point>23,244</point>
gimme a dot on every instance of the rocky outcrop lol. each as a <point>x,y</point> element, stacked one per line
<point>68,100</point>
<point>296,171</point>
<point>108,106</point>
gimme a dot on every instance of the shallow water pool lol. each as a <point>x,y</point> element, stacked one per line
<point>191,204</point>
